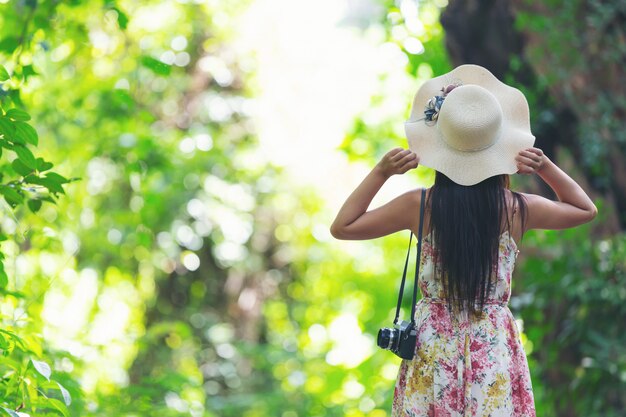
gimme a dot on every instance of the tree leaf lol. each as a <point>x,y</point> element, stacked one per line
<point>123,99</point>
<point>4,74</point>
<point>156,66</point>
<point>11,195</point>
<point>4,279</point>
<point>15,294</point>
<point>14,94</point>
<point>7,128</point>
<point>66,394</point>
<point>18,115</point>
<point>8,44</point>
<point>51,184</point>
<point>25,155</point>
<point>59,406</point>
<point>34,205</point>
<point>20,168</point>
<point>28,71</point>
<point>122,18</point>
<point>43,165</point>
<point>10,412</point>
<point>47,198</point>
<point>43,368</point>
<point>56,177</point>
<point>17,140</point>
<point>26,132</point>
<point>15,337</point>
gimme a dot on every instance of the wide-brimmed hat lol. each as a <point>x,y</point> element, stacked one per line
<point>469,125</point>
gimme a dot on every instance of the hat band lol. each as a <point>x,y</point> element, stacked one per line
<point>476,149</point>
<point>479,148</point>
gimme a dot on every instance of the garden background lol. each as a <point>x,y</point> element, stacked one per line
<point>170,169</point>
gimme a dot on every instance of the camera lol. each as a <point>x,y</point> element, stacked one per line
<point>400,339</point>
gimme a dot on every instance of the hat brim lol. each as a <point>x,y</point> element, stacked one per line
<point>469,168</point>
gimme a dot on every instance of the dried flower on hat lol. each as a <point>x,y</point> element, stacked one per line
<point>431,111</point>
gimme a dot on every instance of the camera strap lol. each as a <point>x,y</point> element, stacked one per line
<point>417,266</point>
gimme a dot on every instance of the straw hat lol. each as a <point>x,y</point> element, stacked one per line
<point>469,125</point>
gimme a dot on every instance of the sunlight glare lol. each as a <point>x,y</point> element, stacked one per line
<point>314,76</point>
<point>351,347</point>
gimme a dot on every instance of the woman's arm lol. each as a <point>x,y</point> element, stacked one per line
<point>574,206</point>
<point>354,223</point>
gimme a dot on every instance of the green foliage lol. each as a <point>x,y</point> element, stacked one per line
<point>115,289</point>
<point>25,181</point>
<point>580,65</point>
<point>26,383</point>
<point>575,319</point>
<point>24,172</point>
<point>570,296</point>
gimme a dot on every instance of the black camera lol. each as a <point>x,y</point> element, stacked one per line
<point>401,339</point>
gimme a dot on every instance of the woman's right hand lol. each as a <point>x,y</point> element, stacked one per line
<point>397,161</point>
<point>573,206</point>
<point>530,161</point>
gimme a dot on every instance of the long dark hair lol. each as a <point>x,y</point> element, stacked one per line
<point>466,224</point>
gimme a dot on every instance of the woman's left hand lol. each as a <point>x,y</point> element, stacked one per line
<point>398,161</point>
<point>530,161</point>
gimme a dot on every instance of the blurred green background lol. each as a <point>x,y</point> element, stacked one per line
<point>170,169</point>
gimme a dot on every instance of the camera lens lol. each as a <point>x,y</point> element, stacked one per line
<point>383,338</point>
<point>386,338</point>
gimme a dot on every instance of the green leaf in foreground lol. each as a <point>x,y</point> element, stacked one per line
<point>43,165</point>
<point>26,156</point>
<point>156,66</point>
<point>7,127</point>
<point>56,177</point>
<point>4,74</point>
<point>59,406</point>
<point>43,368</point>
<point>9,412</point>
<point>15,294</point>
<point>4,279</point>
<point>20,168</point>
<point>122,19</point>
<point>28,71</point>
<point>11,195</point>
<point>9,43</point>
<point>18,340</point>
<point>67,398</point>
<point>18,115</point>
<point>55,385</point>
<point>34,205</point>
<point>26,132</point>
<point>50,182</point>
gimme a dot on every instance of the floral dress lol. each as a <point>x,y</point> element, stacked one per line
<point>465,367</point>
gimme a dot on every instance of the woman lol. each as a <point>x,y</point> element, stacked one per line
<point>469,360</point>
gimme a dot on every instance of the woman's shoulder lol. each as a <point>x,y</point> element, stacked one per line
<point>415,197</point>
<point>512,195</point>
<point>513,211</point>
